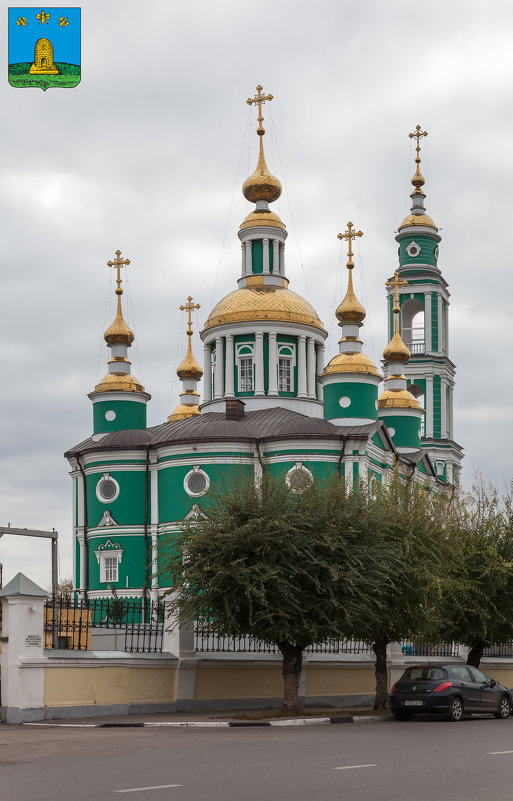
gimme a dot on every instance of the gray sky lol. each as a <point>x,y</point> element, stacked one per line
<point>148,155</point>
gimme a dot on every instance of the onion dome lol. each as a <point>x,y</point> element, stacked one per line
<point>350,310</point>
<point>396,350</point>
<point>418,216</point>
<point>189,368</point>
<point>397,399</point>
<point>189,372</point>
<point>119,333</point>
<point>264,303</point>
<point>262,185</point>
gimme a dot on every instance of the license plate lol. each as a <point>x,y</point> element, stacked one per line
<point>413,703</point>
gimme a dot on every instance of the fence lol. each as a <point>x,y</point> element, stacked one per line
<point>450,649</point>
<point>206,640</point>
<point>69,624</point>
<point>502,651</point>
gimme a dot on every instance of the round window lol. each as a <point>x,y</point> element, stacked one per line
<point>299,479</point>
<point>196,482</point>
<point>107,489</point>
<point>413,250</point>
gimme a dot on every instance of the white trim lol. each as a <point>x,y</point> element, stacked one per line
<point>108,395</point>
<point>196,469</point>
<point>351,421</point>
<point>247,328</point>
<point>349,378</point>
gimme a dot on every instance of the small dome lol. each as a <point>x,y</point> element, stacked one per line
<point>396,350</point>
<point>262,185</point>
<point>264,217</point>
<point>264,303</point>
<point>350,310</point>
<point>119,333</point>
<point>119,382</point>
<point>351,363</point>
<point>418,219</point>
<point>189,368</point>
<point>183,411</point>
<point>397,399</point>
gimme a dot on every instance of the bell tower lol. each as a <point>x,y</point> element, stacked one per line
<point>424,327</point>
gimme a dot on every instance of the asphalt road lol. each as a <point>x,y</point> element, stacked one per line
<point>415,760</point>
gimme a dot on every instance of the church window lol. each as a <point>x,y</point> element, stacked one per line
<point>246,374</point>
<point>299,478</point>
<point>437,251</point>
<point>412,326</point>
<point>413,250</point>
<point>107,489</point>
<point>110,568</point>
<point>196,482</point>
<point>284,375</point>
<point>109,556</point>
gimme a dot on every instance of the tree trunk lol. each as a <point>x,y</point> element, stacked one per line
<point>381,700</point>
<point>476,654</point>
<point>291,672</point>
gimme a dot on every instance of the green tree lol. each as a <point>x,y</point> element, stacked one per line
<point>478,608</point>
<point>413,522</point>
<point>288,569</point>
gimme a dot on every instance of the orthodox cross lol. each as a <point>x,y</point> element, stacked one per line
<point>189,307</point>
<point>350,234</point>
<point>418,134</point>
<point>118,263</point>
<point>396,283</point>
<point>259,98</point>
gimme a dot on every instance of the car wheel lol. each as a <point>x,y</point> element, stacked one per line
<point>402,715</point>
<point>504,710</point>
<point>456,709</point>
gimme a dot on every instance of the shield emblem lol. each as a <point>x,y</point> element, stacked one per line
<point>44,47</point>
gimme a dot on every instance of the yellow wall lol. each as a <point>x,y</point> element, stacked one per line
<point>89,686</point>
<point>338,680</point>
<point>502,675</point>
<point>238,682</point>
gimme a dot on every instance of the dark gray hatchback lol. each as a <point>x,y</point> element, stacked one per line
<point>451,690</point>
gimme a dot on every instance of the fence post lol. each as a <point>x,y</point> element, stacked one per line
<point>22,646</point>
<point>178,640</point>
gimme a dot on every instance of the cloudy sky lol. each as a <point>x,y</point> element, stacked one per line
<point>148,155</point>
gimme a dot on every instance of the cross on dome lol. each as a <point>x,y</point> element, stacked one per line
<point>259,98</point>
<point>189,307</point>
<point>350,234</point>
<point>418,178</point>
<point>118,263</point>
<point>396,283</point>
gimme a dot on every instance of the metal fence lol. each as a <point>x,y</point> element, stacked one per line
<point>450,649</point>
<point>502,651</point>
<point>206,640</point>
<point>69,624</point>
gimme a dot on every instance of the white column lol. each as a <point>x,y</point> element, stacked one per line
<point>443,409</point>
<point>219,371</point>
<point>273,365</point>
<point>265,254</point>
<point>83,560</point>
<point>320,368</point>
<point>276,256</point>
<point>427,322</point>
<point>207,373</point>
<point>447,329</point>
<point>249,261</point>
<point>440,325</point>
<point>154,594</point>
<point>429,406</point>
<point>301,367</point>
<point>229,368</point>
<point>259,363</point>
<point>154,523</point>
<point>282,258</point>
<point>243,260</point>
<point>311,366</point>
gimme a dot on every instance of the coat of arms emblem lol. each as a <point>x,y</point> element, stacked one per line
<point>44,47</point>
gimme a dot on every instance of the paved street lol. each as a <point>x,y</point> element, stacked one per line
<point>419,759</point>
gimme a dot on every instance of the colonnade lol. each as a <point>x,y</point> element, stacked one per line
<point>278,257</point>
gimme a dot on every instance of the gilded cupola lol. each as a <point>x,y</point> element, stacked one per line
<point>418,216</point>
<point>189,373</point>
<point>396,355</point>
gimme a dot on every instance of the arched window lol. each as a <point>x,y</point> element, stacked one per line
<point>418,393</point>
<point>412,326</point>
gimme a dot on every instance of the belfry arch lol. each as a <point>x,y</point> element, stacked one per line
<point>413,325</point>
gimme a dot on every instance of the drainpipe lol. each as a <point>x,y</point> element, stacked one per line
<point>86,540</point>
<point>341,457</point>
<point>146,537</point>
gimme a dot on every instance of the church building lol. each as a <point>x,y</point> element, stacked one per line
<point>275,397</point>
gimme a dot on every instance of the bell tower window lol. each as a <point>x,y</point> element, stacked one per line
<point>245,364</point>
<point>286,363</point>
<point>412,328</point>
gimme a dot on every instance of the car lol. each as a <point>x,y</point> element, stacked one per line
<point>450,690</point>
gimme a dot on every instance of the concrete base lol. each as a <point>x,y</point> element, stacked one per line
<point>14,714</point>
<point>96,710</point>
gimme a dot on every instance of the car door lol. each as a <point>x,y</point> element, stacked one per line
<point>470,689</point>
<point>489,694</point>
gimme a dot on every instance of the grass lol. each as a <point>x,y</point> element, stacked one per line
<point>69,76</point>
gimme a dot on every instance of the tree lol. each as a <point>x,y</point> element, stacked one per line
<point>288,569</point>
<point>413,524</point>
<point>64,590</point>
<point>478,609</point>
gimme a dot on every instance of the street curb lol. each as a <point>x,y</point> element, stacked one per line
<point>218,724</point>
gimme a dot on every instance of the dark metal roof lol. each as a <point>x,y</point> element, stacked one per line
<point>264,424</point>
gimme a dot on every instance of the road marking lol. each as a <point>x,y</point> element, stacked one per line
<point>491,753</point>
<point>351,767</point>
<point>155,787</point>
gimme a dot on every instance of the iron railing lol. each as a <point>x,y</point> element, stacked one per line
<point>69,623</point>
<point>450,649</point>
<point>500,651</point>
<point>207,641</point>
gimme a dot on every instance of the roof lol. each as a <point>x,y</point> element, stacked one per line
<point>21,585</point>
<point>264,424</point>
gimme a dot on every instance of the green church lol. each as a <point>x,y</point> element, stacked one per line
<point>273,398</point>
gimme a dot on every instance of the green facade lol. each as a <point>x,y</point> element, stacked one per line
<point>128,414</point>
<point>363,399</point>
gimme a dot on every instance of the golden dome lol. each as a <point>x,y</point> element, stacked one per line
<point>119,382</point>
<point>119,333</point>
<point>183,411</point>
<point>350,310</point>
<point>189,368</point>
<point>351,363</point>
<point>262,185</point>
<point>265,303</point>
<point>418,219</point>
<point>396,350</point>
<point>397,399</point>
<point>262,217</point>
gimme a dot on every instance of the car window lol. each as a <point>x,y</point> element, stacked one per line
<point>479,676</point>
<point>424,673</point>
<point>461,673</point>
